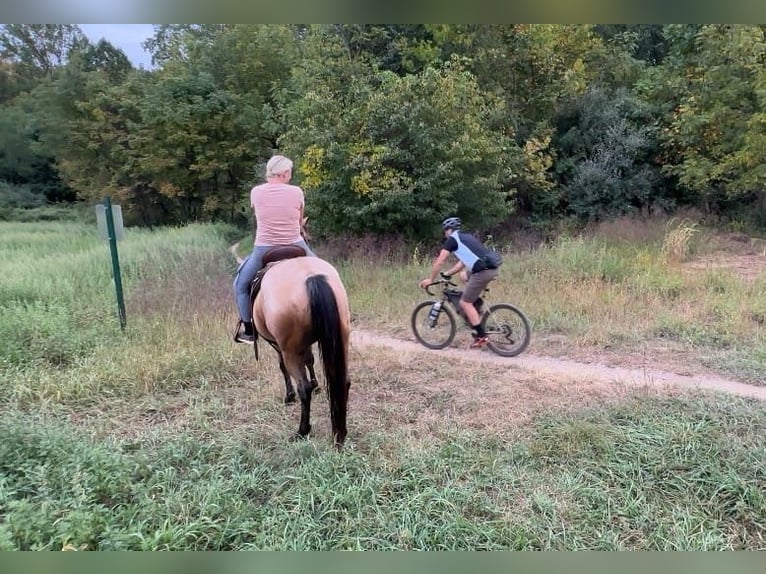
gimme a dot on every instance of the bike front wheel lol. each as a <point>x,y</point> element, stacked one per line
<point>437,334</point>
<point>508,330</point>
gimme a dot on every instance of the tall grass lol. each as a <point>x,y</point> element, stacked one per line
<point>169,436</point>
<point>598,293</point>
<point>59,334</point>
<point>679,239</point>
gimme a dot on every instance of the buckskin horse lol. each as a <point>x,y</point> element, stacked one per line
<point>301,301</point>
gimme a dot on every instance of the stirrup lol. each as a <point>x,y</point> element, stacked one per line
<point>236,331</point>
<point>238,334</point>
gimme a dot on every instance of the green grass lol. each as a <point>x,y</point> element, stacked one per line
<point>168,436</point>
<point>647,475</point>
<point>57,295</point>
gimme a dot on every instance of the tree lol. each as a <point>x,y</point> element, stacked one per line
<point>605,156</point>
<point>174,144</point>
<point>402,49</point>
<point>391,154</point>
<point>38,49</point>
<point>25,159</point>
<point>644,42</point>
<point>711,135</point>
<point>105,58</point>
<point>172,42</point>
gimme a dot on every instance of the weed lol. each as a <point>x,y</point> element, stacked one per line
<point>678,244</point>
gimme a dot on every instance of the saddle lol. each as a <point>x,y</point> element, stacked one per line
<point>270,258</point>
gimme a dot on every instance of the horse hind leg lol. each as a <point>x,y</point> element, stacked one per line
<point>295,364</point>
<point>289,389</point>
<point>309,360</point>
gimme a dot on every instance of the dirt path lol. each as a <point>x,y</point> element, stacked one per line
<point>565,367</point>
<point>556,367</point>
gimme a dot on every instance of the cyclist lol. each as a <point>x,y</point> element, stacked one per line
<point>480,263</point>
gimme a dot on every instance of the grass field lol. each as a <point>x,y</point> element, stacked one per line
<point>169,436</point>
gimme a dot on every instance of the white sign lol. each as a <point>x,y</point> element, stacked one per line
<point>119,232</point>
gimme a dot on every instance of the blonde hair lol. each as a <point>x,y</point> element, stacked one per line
<point>278,165</point>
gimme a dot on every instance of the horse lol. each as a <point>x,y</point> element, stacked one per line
<point>302,301</point>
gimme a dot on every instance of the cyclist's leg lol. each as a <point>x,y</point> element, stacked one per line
<point>477,282</point>
<point>490,275</point>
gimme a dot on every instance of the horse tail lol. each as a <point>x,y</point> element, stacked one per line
<point>326,329</point>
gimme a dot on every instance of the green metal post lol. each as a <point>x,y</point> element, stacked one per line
<point>115,261</point>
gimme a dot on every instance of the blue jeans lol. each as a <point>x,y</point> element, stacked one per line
<point>246,273</point>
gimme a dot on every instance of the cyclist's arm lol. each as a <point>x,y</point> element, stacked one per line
<point>440,259</point>
<point>454,269</point>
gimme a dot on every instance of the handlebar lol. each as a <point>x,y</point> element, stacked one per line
<point>445,280</point>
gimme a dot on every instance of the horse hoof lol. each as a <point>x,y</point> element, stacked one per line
<point>289,399</point>
<point>298,436</point>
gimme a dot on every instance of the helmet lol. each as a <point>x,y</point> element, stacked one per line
<point>451,223</point>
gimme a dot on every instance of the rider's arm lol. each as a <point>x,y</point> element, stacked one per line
<point>455,268</point>
<point>440,259</point>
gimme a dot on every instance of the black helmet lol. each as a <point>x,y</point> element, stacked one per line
<point>451,223</point>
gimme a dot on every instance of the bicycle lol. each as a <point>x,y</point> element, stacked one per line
<point>434,322</point>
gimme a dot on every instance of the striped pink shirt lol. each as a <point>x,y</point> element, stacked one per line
<point>277,213</point>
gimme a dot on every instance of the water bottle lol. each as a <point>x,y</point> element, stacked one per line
<point>434,313</point>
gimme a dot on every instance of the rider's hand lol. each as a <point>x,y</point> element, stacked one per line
<point>446,276</point>
<point>425,283</point>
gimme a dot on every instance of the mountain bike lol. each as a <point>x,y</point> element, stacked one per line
<point>434,322</point>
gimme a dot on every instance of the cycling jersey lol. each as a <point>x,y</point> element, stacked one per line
<point>471,252</point>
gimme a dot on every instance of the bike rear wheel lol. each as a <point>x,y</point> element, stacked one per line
<point>438,335</point>
<point>508,330</point>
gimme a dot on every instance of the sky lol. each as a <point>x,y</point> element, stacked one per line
<point>127,37</point>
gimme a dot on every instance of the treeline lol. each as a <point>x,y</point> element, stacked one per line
<point>391,127</point>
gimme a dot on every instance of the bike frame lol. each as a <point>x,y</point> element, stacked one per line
<point>451,294</point>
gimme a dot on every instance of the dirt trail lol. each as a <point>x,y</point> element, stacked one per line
<point>565,367</point>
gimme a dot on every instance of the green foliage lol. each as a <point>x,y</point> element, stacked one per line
<point>176,145</point>
<point>37,50</point>
<point>103,57</point>
<point>390,154</point>
<point>604,151</point>
<point>191,161</point>
<point>402,49</point>
<point>650,474</point>
<point>19,196</point>
<point>644,42</point>
<point>25,161</point>
<point>713,132</point>
<point>393,126</point>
